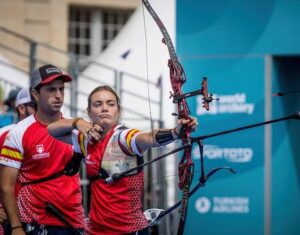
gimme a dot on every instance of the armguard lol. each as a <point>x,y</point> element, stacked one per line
<point>164,137</point>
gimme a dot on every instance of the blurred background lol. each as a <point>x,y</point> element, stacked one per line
<point>250,52</point>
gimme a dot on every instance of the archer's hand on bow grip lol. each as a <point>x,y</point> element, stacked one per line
<point>190,123</point>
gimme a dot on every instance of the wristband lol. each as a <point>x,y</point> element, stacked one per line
<point>74,123</point>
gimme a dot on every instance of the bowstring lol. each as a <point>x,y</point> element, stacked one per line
<point>149,172</point>
<point>147,72</point>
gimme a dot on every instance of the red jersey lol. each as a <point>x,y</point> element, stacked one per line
<point>29,148</point>
<point>115,208</point>
<point>3,132</point>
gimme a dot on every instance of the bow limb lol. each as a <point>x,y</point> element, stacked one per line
<point>167,40</point>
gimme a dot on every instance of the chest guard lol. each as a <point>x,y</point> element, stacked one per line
<point>116,158</point>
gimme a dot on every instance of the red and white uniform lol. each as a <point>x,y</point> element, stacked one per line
<point>29,148</point>
<point>3,133</point>
<point>115,208</point>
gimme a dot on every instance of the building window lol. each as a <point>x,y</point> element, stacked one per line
<point>80,31</point>
<point>91,30</point>
<point>112,21</point>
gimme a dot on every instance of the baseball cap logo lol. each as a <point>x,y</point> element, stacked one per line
<point>52,70</point>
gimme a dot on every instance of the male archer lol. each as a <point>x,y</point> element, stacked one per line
<point>33,158</point>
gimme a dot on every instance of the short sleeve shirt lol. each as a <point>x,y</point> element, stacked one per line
<point>115,208</point>
<point>29,148</point>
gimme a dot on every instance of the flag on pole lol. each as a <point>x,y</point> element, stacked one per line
<point>159,82</point>
<point>125,54</point>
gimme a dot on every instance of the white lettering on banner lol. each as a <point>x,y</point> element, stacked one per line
<point>238,205</point>
<point>214,152</point>
<point>236,103</point>
<point>224,205</point>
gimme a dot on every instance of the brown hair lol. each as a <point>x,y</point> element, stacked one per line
<point>103,88</point>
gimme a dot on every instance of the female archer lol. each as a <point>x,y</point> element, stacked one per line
<point>110,148</point>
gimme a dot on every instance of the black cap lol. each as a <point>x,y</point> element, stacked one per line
<point>46,74</point>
